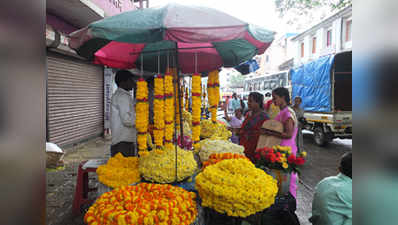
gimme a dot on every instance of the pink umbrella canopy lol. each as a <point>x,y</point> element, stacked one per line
<point>203,38</point>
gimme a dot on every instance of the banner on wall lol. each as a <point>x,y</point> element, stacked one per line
<point>108,91</point>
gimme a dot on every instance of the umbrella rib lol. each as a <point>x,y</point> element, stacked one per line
<point>168,49</point>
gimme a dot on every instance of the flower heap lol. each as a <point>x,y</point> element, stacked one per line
<point>213,91</point>
<point>215,131</point>
<point>161,168</point>
<point>196,109</point>
<point>218,157</point>
<point>119,171</point>
<point>142,116</point>
<point>209,147</point>
<point>158,109</point>
<point>144,203</point>
<point>280,158</point>
<point>236,187</point>
<point>169,109</point>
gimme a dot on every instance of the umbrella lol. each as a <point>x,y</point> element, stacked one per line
<point>205,39</point>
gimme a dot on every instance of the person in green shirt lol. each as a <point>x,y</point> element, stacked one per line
<point>332,203</point>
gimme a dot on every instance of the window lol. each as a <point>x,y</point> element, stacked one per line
<point>267,58</point>
<point>348,30</point>
<point>302,49</point>
<point>313,45</point>
<point>329,38</point>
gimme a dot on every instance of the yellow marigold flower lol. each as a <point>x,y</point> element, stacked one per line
<point>304,154</point>
<point>285,165</point>
<point>119,171</point>
<point>160,168</point>
<point>151,205</point>
<point>236,187</point>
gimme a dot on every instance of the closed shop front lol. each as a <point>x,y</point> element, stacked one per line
<point>75,100</point>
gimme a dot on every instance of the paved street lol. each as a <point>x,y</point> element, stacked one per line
<point>321,162</point>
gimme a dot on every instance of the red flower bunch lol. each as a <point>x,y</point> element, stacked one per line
<point>269,154</point>
<point>278,157</point>
<point>292,159</point>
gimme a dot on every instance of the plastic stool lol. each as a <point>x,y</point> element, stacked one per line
<point>82,188</point>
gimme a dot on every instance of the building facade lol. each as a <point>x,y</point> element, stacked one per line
<point>332,35</point>
<point>279,55</point>
<point>78,92</point>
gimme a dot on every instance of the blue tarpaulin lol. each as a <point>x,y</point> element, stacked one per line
<point>247,67</point>
<point>312,82</point>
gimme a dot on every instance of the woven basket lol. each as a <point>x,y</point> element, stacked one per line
<point>53,159</point>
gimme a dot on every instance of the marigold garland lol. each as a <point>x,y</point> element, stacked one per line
<point>177,90</point>
<point>186,99</point>
<point>161,168</point>
<point>119,171</point>
<point>149,204</point>
<point>142,116</point>
<point>218,157</point>
<point>158,109</point>
<point>169,109</point>
<point>236,187</point>
<point>213,91</point>
<point>196,109</point>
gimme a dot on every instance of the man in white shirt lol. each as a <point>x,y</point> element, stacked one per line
<point>123,116</point>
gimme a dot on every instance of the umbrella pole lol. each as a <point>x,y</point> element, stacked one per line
<point>179,93</point>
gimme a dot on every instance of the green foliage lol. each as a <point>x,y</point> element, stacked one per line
<point>283,6</point>
<point>236,80</point>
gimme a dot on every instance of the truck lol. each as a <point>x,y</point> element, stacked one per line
<point>325,87</point>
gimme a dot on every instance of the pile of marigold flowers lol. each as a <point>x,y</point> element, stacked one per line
<point>236,187</point>
<point>160,168</point>
<point>144,203</point>
<point>218,157</point>
<point>119,171</point>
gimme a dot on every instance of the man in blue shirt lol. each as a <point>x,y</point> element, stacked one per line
<point>332,203</point>
<point>234,103</point>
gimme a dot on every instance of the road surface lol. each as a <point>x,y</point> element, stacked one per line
<point>321,162</point>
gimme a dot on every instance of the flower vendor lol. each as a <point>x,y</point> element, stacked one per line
<point>286,116</point>
<point>123,115</point>
<point>251,127</point>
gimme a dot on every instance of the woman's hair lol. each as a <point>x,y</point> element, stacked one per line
<point>282,92</point>
<point>257,97</point>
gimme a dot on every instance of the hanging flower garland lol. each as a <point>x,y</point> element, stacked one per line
<point>186,99</point>
<point>213,91</point>
<point>169,109</point>
<point>177,90</point>
<point>142,116</point>
<point>196,109</point>
<point>150,204</point>
<point>158,109</point>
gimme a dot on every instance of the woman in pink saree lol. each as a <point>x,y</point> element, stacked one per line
<point>286,116</point>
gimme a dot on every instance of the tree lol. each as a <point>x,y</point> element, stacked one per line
<point>284,6</point>
<point>236,80</point>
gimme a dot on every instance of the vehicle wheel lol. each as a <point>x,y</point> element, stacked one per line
<point>320,137</point>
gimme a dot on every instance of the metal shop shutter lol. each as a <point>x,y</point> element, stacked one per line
<point>75,95</point>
